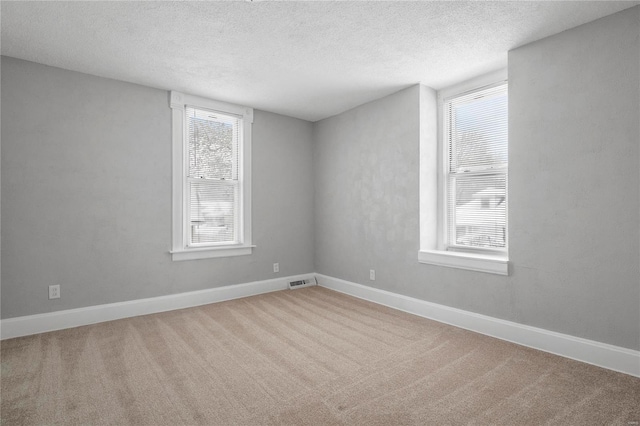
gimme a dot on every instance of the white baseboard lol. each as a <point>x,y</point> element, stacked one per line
<point>41,323</point>
<point>601,354</point>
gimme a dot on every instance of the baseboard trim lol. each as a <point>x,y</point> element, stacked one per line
<point>51,321</point>
<point>601,354</point>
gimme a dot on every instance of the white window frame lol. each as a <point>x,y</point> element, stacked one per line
<point>181,249</point>
<point>448,228</point>
<point>434,248</point>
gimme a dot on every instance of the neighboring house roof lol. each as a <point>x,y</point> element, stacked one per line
<point>473,213</point>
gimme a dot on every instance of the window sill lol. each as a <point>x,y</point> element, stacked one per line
<point>210,252</point>
<point>470,261</point>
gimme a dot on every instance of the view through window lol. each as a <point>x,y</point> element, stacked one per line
<point>212,181</point>
<point>476,136</point>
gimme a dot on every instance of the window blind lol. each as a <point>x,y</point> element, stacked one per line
<point>212,177</point>
<point>476,126</point>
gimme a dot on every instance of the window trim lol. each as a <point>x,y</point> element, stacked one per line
<point>180,249</point>
<point>433,191</point>
<point>470,261</point>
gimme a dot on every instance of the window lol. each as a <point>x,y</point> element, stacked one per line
<point>475,179</point>
<point>464,175</point>
<point>211,178</point>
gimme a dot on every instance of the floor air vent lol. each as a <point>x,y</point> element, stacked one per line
<point>302,283</point>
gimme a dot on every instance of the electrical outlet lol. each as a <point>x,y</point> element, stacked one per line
<point>372,274</point>
<point>276,267</point>
<point>54,291</point>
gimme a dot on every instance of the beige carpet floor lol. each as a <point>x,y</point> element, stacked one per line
<point>304,357</point>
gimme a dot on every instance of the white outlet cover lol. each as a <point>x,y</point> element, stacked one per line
<point>54,291</point>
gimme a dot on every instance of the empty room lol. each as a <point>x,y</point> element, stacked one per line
<point>320,213</point>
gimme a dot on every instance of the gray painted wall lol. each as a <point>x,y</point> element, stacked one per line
<point>86,194</point>
<point>574,191</point>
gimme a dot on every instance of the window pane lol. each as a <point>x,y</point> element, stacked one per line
<point>478,210</point>
<point>212,211</point>
<point>213,139</point>
<point>478,130</point>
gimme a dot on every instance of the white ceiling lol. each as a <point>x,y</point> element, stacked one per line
<point>309,60</point>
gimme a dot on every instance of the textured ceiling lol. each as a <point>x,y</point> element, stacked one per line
<point>303,59</point>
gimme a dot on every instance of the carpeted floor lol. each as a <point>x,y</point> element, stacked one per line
<point>305,357</point>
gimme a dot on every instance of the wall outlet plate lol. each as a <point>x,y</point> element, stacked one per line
<point>54,291</point>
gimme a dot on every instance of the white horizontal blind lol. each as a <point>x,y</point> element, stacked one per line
<point>212,177</point>
<point>476,132</point>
